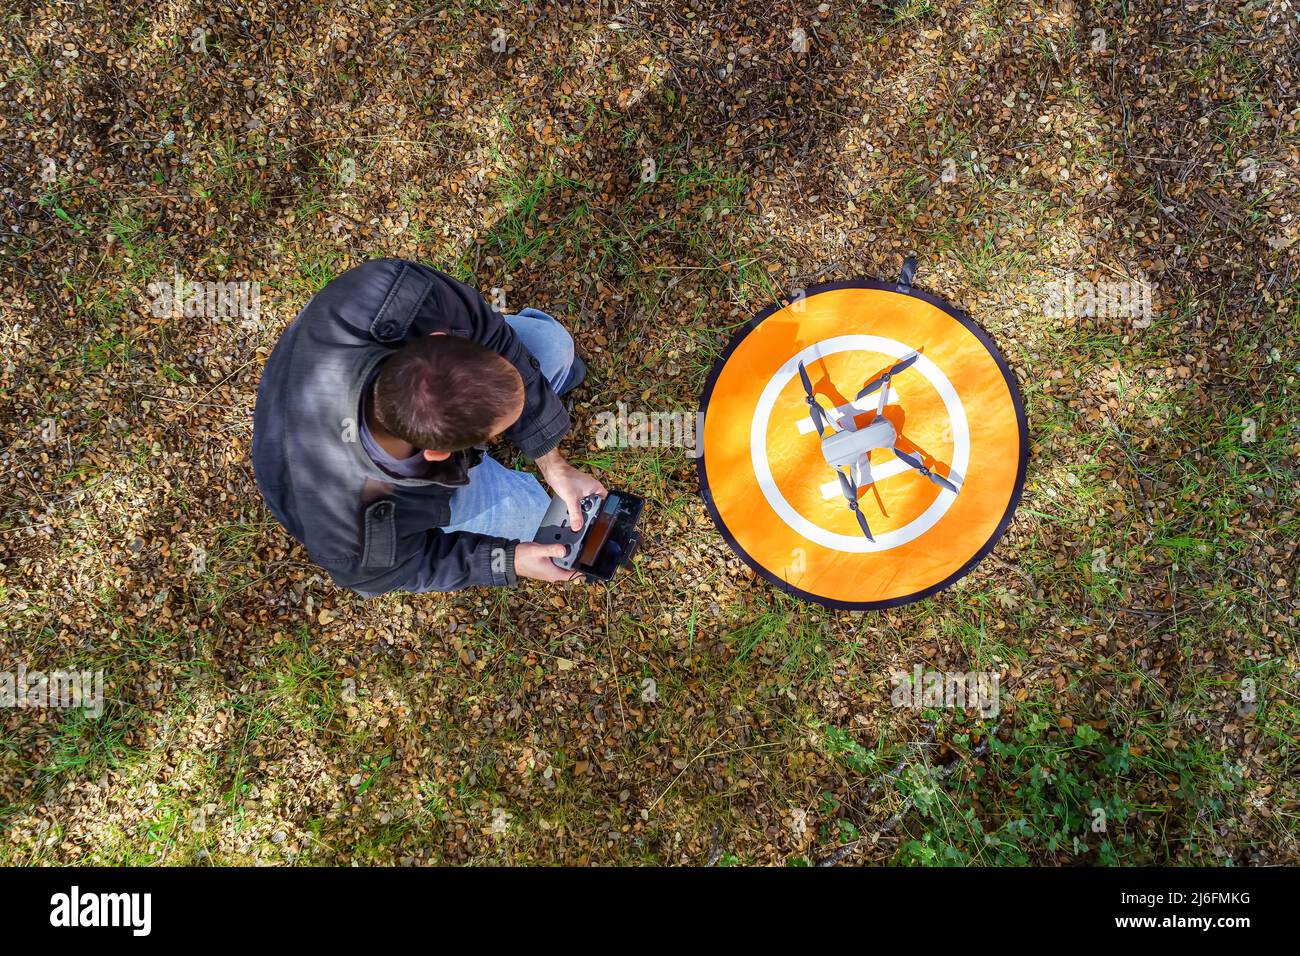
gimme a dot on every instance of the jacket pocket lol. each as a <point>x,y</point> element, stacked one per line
<point>405,295</point>
<point>380,546</point>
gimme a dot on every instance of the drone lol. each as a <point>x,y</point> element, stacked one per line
<point>847,448</point>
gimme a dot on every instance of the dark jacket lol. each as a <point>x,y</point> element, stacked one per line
<point>371,531</point>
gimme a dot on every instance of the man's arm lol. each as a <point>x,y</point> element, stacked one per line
<point>433,561</point>
<point>569,483</point>
<point>544,422</point>
<point>452,561</point>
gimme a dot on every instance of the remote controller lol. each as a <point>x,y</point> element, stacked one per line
<point>555,528</point>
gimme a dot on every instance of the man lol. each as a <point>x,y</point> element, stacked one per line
<point>371,420</point>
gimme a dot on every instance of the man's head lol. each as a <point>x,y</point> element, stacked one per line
<point>443,393</point>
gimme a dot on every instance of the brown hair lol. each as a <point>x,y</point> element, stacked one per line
<point>445,393</point>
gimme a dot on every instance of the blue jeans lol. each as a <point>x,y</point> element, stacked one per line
<point>501,501</point>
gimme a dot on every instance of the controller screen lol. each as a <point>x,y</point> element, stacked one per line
<point>599,532</point>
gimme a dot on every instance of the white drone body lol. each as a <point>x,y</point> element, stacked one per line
<point>844,448</point>
<point>848,448</point>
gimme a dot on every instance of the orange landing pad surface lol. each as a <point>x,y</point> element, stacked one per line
<point>956,409</point>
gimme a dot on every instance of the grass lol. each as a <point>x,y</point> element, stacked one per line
<point>261,715</point>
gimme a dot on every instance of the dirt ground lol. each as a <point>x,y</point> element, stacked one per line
<point>1140,612</point>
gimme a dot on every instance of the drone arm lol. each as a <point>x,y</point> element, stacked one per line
<point>920,466</point>
<point>884,395</point>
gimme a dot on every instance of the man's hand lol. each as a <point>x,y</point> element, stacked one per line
<point>533,560</point>
<point>570,484</point>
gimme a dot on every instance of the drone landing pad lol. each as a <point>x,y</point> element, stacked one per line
<point>956,410</point>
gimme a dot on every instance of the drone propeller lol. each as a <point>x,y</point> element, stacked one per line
<point>884,379</point>
<point>920,466</point>
<point>851,493</point>
<point>814,409</point>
